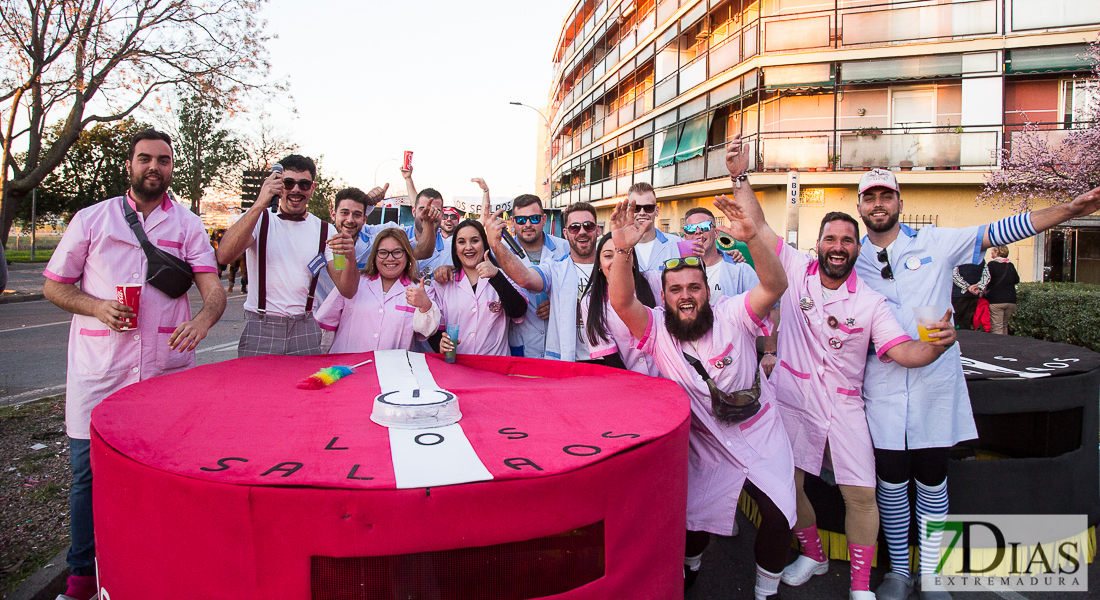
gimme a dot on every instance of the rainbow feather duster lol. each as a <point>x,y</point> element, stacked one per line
<point>326,377</point>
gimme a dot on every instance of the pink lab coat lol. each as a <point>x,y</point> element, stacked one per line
<point>622,342</point>
<point>818,386</point>
<point>99,252</point>
<point>482,324</point>
<point>372,320</point>
<point>721,457</point>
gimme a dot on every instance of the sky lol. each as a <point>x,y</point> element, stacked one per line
<point>371,79</point>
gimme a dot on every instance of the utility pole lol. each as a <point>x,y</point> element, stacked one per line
<point>34,219</point>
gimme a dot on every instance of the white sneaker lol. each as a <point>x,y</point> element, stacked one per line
<point>860,595</point>
<point>802,569</point>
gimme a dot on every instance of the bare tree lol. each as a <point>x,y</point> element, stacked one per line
<point>79,62</point>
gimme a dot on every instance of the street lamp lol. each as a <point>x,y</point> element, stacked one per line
<point>546,180</point>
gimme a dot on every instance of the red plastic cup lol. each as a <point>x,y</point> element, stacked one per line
<point>407,162</point>
<point>130,295</point>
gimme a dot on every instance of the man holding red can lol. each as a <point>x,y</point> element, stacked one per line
<point>124,329</point>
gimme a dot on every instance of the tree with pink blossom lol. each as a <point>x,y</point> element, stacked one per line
<point>1038,168</point>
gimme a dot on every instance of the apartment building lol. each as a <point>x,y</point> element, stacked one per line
<point>652,91</point>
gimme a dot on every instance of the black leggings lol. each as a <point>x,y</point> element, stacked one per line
<point>773,539</point>
<point>926,465</point>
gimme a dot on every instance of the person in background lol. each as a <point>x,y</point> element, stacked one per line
<point>449,220</point>
<point>528,218</point>
<point>970,281</point>
<point>1001,291</point>
<point>480,299</point>
<point>98,252</point>
<point>607,335</point>
<point>656,246</point>
<point>391,305</point>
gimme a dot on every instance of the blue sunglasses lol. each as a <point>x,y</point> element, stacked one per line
<point>533,219</point>
<point>703,227</point>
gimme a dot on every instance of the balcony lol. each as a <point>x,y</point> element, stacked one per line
<point>933,149</point>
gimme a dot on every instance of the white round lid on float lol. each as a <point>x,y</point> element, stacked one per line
<point>410,397</point>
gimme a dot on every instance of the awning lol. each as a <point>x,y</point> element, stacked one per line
<point>693,141</point>
<point>914,67</point>
<point>668,147</point>
<point>1050,59</point>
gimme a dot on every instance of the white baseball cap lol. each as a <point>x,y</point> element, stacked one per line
<point>878,178</point>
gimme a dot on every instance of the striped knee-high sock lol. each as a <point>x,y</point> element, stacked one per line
<point>893,514</point>
<point>931,505</point>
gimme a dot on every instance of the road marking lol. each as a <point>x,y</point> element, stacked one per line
<point>31,396</point>
<point>35,326</point>
<point>219,348</point>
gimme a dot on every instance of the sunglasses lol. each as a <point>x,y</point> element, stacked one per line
<point>687,261</point>
<point>587,226</point>
<point>448,216</point>
<point>533,219</point>
<point>646,208</point>
<point>884,257</point>
<point>303,184</point>
<point>702,227</point>
<point>395,254</point>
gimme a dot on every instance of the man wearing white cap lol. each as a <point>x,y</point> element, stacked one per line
<point>917,415</point>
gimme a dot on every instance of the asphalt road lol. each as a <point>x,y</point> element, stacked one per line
<point>34,338</point>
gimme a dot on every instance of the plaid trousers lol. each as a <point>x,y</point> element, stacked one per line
<point>298,335</point>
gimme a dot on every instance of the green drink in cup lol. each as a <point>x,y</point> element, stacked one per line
<point>452,332</point>
<point>339,261</point>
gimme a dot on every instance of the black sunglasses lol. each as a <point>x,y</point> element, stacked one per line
<point>303,184</point>
<point>575,228</point>
<point>884,257</point>
<point>646,208</point>
<point>533,219</point>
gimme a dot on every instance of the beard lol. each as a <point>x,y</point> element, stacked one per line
<point>886,226</point>
<point>149,190</point>
<point>836,271</point>
<point>688,331</point>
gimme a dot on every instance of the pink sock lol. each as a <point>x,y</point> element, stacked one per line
<point>81,587</point>
<point>861,566</point>
<point>811,542</point>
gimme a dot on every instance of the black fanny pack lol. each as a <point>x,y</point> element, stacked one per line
<point>729,408</point>
<point>169,274</point>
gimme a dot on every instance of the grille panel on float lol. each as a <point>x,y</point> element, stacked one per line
<point>514,571</point>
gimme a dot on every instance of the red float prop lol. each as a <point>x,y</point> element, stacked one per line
<point>226,481</point>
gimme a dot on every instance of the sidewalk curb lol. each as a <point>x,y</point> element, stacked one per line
<point>45,583</point>
<point>14,298</point>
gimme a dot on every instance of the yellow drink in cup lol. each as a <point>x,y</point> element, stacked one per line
<point>339,261</point>
<point>926,317</point>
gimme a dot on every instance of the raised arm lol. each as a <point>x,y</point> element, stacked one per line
<point>620,283</point>
<point>913,354</point>
<point>773,280</point>
<point>512,266</point>
<point>239,236</point>
<point>1019,227</point>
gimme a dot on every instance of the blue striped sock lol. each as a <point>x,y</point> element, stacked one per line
<point>931,504</point>
<point>893,513</point>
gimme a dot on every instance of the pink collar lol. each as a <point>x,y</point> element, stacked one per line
<point>165,204</point>
<point>851,282</point>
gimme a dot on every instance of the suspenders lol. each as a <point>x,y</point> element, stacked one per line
<point>261,302</point>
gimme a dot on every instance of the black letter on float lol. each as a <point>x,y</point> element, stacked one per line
<point>221,463</point>
<point>285,467</point>
<point>588,450</point>
<point>512,433</point>
<point>354,470</point>
<point>430,439</point>
<point>516,463</point>
<point>330,445</point>
<point>607,434</point>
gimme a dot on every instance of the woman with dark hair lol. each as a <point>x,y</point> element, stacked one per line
<point>481,310</point>
<point>608,336</point>
<point>389,308</point>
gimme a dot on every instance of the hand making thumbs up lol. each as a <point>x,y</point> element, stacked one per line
<point>416,295</point>
<point>486,269</point>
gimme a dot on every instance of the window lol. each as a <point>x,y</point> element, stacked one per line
<point>1042,14</point>
<point>1077,96</point>
<point>909,108</point>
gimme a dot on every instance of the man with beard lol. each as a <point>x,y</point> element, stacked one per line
<point>98,252</point>
<point>656,246</point>
<point>563,279</point>
<point>916,416</point>
<point>528,338</point>
<point>285,255</point>
<point>830,319</point>
<point>711,352</point>
<point>449,221</point>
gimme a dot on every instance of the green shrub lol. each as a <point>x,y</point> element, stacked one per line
<point>1058,312</point>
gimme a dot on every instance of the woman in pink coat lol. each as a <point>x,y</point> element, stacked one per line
<point>389,309</point>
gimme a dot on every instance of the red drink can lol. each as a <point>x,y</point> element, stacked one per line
<point>407,162</point>
<point>130,295</point>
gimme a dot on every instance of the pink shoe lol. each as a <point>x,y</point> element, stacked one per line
<point>80,587</point>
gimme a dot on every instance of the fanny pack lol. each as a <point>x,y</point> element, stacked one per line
<point>169,274</point>
<point>729,408</point>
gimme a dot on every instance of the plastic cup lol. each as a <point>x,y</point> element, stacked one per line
<point>130,295</point>
<point>926,316</point>
<point>339,261</point>
<point>452,332</point>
